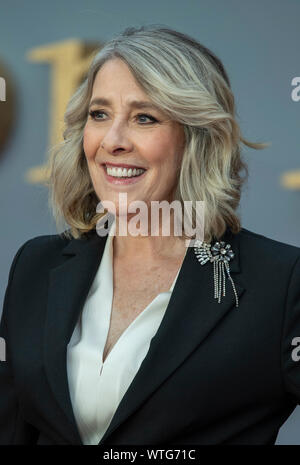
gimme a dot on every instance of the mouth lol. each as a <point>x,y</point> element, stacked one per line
<point>123,174</point>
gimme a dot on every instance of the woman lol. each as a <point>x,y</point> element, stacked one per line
<point>139,339</point>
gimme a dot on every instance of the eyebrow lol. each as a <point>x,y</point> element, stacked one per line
<point>133,104</point>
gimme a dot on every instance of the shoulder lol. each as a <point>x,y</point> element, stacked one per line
<point>270,254</point>
<point>39,252</point>
<point>267,245</point>
<point>46,244</point>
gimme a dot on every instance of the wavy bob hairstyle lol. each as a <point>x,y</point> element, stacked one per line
<point>189,83</point>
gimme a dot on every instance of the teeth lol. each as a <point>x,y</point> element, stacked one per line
<point>123,172</point>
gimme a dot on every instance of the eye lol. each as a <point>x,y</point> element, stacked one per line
<point>95,116</point>
<point>153,120</point>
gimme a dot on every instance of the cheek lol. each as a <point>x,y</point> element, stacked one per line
<point>158,150</point>
<point>167,157</point>
<point>89,142</point>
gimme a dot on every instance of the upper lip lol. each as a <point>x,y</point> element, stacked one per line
<point>123,165</point>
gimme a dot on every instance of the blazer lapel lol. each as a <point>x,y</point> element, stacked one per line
<point>69,284</point>
<point>191,315</point>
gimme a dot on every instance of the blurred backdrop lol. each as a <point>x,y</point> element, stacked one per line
<point>45,48</point>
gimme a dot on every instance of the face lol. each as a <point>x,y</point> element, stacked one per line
<point>121,134</point>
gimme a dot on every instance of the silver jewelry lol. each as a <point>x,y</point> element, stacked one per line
<point>220,255</point>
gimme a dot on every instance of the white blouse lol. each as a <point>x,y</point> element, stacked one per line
<point>96,388</point>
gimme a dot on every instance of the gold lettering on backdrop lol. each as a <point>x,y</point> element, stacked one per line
<point>291,180</point>
<point>69,61</point>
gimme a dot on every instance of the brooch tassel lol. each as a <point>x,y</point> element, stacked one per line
<point>220,255</point>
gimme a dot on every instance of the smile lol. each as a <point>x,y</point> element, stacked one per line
<point>123,176</point>
<point>120,172</point>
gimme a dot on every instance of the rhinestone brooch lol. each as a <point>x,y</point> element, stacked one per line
<point>220,255</point>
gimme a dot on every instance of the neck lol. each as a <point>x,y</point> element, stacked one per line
<point>146,246</point>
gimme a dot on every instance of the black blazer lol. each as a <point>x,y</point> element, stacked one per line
<point>214,373</point>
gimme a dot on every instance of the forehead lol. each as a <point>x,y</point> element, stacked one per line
<point>115,83</point>
<point>115,76</point>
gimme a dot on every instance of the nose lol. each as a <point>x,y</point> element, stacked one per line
<point>116,138</point>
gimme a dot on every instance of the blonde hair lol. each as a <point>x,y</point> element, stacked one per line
<point>188,82</point>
